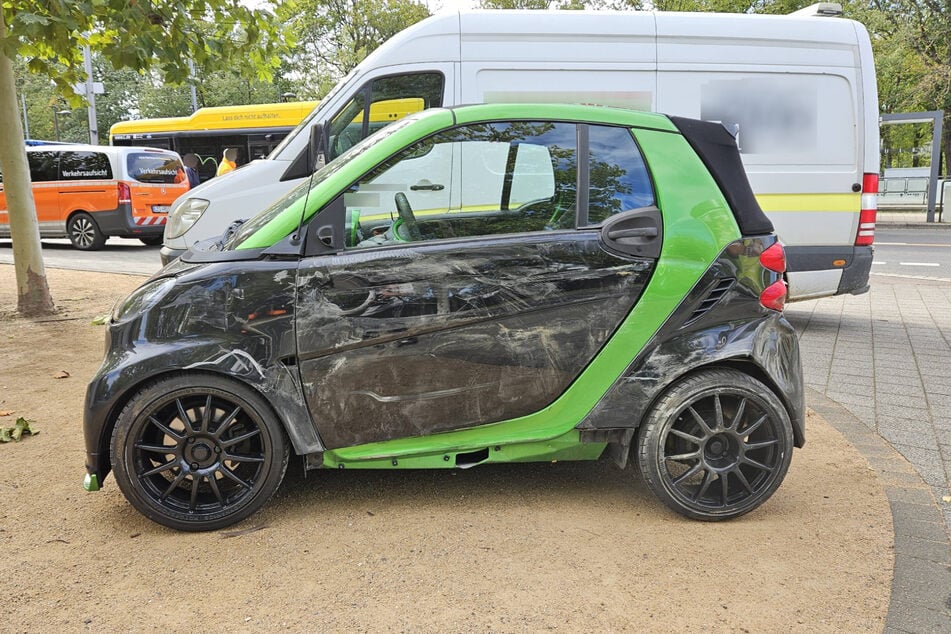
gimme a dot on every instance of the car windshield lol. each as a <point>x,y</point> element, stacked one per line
<point>295,202</point>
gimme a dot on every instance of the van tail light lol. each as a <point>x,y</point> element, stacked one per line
<point>866,233</point>
<point>125,194</point>
<point>773,296</point>
<point>774,258</point>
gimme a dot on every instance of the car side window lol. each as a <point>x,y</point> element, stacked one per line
<point>379,103</point>
<point>42,166</point>
<point>77,166</point>
<point>475,180</point>
<point>619,180</point>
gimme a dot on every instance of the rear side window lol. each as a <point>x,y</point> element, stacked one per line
<point>155,167</point>
<point>79,166</point>
<point>618,176</point>
<point>42,166</point>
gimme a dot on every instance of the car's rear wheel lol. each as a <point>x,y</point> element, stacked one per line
<point>716,445</point>
<point>84,233</point>
<point>198,452</point>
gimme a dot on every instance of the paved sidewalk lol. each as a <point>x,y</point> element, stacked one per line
<point>882,361</point>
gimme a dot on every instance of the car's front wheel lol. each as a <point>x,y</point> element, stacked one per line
<point>716,445</point>
<point>198,452</point>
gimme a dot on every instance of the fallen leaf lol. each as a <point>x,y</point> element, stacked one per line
<point>946,499</point>
<point>6,412</point>
<point>15,433</point>
<point>101,320</point>
<point>62,374</point>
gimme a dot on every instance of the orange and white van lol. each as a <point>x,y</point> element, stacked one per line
<point>89,192</point>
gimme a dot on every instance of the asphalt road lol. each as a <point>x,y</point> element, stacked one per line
<point>913,252</point>
<point>120,255</point>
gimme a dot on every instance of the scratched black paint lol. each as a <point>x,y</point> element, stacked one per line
<point>394,345</point>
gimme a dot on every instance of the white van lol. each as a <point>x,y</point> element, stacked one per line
<point>798,91</point>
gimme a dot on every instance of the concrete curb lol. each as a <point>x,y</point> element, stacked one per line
<point>921,585</point>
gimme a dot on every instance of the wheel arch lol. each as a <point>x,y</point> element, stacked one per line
<point>619,446</point>
<point>104,440</point>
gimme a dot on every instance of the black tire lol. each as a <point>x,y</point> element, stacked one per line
<point>153,241</point>
<point>84,233</point>
<point>198,452</point>
<point>716,445</point>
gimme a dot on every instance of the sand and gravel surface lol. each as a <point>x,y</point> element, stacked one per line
<point>566,546</point>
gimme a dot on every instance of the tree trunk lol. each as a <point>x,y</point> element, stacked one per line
<point>33,293</point>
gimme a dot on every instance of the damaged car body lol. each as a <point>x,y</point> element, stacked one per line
<point>475,285</point>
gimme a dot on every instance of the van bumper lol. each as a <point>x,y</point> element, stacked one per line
<point>120,222</point>
<point>854,263</point>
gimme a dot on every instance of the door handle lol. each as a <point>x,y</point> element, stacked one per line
<point>425,185</point>
<point>636,232</point>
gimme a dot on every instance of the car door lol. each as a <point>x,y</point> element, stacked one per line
<point>489,303</point>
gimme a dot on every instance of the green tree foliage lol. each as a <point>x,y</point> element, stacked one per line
<point>912,44</point>
<point>336,35</point>
<point>142,35</point>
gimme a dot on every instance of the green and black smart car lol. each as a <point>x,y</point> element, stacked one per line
<point>480,284</point>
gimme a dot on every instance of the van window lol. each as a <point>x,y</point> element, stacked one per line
<point>618,176</point>
<point>78,166</point>
<point>479,179</point>
<point>42,166</point>
<point>154,167</point>
<point>379,103</point>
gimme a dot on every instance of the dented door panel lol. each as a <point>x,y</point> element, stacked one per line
<point>442,336</point>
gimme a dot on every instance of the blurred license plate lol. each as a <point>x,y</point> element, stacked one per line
<point>160,209</point>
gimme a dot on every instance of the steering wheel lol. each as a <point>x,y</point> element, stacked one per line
<point>406,215</point>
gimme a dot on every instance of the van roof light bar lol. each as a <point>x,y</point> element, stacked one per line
<point>820,9</point>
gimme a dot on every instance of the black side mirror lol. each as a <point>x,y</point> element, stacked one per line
<point>315,152</point>
<point>311,158</point>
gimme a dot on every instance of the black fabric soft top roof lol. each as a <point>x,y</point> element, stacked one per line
<point>717,149</point>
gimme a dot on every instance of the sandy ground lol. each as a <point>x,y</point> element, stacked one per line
<point>567,546</point>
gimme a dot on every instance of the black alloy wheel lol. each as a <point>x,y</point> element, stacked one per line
<point>716,445</point>
<point>198,452</point>
<point>84,233</point>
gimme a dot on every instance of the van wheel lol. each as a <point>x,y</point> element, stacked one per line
<point>84,233</point>
<point>151,242</point>
<point>198,452</point>
<point>716,445</point>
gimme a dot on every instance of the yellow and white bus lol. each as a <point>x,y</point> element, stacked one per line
<point>253,130</point>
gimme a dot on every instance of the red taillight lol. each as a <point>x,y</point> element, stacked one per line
<point>125,194</point>
<point>866,233</point>
<point>774,258</point>
<point>773,296</point>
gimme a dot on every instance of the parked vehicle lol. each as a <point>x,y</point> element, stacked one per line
<point>616,291</point>
<point>800,91</point>
<point>252,130</point>
<point>89,192</point>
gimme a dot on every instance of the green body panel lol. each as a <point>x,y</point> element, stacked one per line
<point>686,193</point>
<point>565,112</point>
<point>568,446</point>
